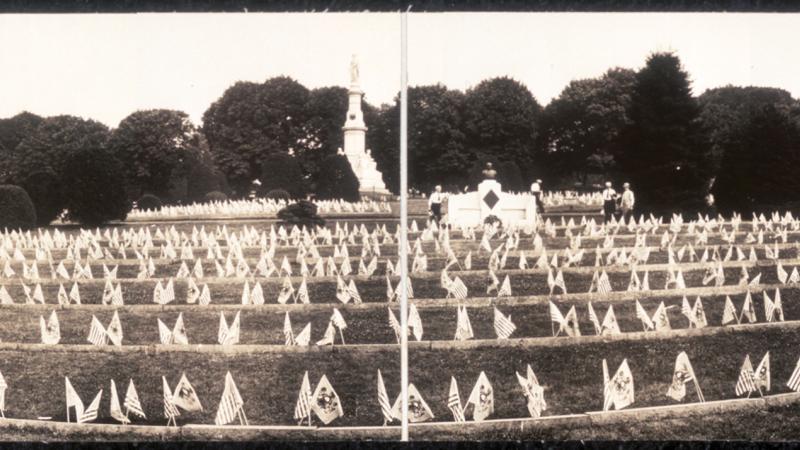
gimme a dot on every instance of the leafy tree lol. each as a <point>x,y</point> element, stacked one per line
<point>383,137</point>
<point>337,181</point>
<point>281,171</point>
<point>501,120</point>
<point>43,188</point>
<point>580,127</point>
<point>663,151</point>
<point>154,146</point>
<point>724,111</point>
<point>12,131</point>
<point>95,194</point>
<point>436,153</point>
<point>40,158</point>
<point>327,109</point>
<point>759,163</point>
<point>55,139</point>
<point>252,120</point>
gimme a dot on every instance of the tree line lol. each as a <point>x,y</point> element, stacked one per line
<point>646,127</point>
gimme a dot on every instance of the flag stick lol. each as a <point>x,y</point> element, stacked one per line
<point>404,224</point>
<point>342,335</point>
<point>699,392</point>
<point>67,413</point>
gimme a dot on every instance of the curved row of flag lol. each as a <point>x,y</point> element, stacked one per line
<point>324,402</point>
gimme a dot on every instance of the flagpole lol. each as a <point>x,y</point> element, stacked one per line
<point>404,225</point>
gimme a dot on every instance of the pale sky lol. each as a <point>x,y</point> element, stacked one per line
<point>104,66</point>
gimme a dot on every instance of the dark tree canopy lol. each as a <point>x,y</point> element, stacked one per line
<point>281,171</point>
<point>253,120</point>
<point>383,137</point>
<point>154,147</point>
<point>502,121</point>
<point>663,152</point>
<point>759,166</point>
<point>581,126</point>
<point>337,181</point>
<point>12,131</point>
<point>724,111</point>
<point>42,187</point>
<point>95,195</point>
<point>436,153</point>
<point>16,208</point>
<point>54,140</point>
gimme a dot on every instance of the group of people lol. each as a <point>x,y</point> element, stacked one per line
<point>614,202</point>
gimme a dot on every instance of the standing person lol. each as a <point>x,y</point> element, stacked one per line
<point>627,202</point>
<point>609,202</point>
<point>536,190</point>
<point>711,207</point>
<point>435,204</point>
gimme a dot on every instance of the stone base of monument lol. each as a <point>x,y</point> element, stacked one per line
<point>472,208</point>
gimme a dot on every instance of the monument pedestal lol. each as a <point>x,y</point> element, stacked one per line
<point>472,208</point>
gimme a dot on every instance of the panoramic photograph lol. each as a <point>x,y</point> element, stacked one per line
<point>399,226</point>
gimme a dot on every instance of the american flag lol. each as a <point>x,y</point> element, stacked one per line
<point>395,325</point>
<point>131,402</point>
<point>603,284</point>
<point>302,408</point>
<point>593,318</point>
<point>90,413</point>
<point>97,333</point>
<point>503,325</point>
<point>383,400</point>
<point>642,315</point>
<point>746,382</point>
<point>230,404</point>
<point>454,402</point>
<point>458,288</point>
<point>729,313</point>
<point>794,380</point>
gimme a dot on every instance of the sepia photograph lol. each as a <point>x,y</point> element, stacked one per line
<point>399,226</point>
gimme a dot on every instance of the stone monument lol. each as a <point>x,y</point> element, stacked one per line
<point>472,208</point>
<point>369,178</point>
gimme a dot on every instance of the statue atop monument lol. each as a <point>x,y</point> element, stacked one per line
<point>354,70</point>
<point>489,173</point>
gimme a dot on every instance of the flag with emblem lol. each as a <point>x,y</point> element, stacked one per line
<point>533,392</point>
<point>185,396</point>
<point>325,402</point>
<point>481,398</point>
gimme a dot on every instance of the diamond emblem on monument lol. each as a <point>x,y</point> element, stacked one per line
<point>491,199</point>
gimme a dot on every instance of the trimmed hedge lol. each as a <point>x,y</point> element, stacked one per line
<point>337,181</point>
<point>281,171</point>
<point>279,194</point>
<point>149,202</point>
<point>216,196</point>
<point>16,208</point>
<point>302,213</point>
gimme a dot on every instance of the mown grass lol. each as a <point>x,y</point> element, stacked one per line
<point>571,376</point>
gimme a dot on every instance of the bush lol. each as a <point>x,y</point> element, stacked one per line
<point>302,213</point>
<point>45,191</point>
<point>280,171</point>
<point>279,194</point>
<point>337,181</point>
<point>216,196</point>
<point>149,202</point>
<point>95,191</point>
<point>16,208</point>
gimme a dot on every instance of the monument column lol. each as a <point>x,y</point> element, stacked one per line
<point>355,139</point>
